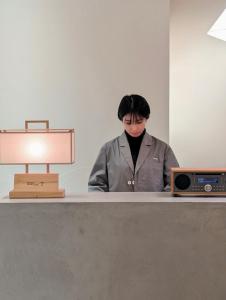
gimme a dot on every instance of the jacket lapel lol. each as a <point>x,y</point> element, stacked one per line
<point>145,149</point>
<point>125,150</point>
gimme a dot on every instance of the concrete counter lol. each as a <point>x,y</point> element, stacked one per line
<point>113,246</point>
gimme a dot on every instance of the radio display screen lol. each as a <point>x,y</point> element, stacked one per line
<point>206,180</point>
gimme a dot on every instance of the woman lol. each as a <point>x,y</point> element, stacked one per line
<point>134,161</point>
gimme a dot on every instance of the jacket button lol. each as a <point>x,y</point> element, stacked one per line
<point>129,182</point>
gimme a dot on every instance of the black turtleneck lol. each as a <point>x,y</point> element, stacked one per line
<point>134,143</point>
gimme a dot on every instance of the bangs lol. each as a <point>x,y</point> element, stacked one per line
<point>135,105</point>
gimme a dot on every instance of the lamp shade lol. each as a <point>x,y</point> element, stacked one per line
<point>37,146</point>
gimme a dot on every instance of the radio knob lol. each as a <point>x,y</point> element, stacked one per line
<point>208,187</point>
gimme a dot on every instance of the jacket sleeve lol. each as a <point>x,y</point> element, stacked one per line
<point>170,161</point>
<point>98,179</point>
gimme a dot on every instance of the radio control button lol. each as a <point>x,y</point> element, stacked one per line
<point>208,187</point>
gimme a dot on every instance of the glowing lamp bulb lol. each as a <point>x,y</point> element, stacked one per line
<point>36,149</point>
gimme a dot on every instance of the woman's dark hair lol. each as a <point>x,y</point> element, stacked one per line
<point>134,105</point>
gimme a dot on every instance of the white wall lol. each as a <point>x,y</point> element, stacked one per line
<point>72,61</point>
<point>197,84</point>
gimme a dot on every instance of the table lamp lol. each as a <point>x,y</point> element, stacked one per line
<point>35,147</point>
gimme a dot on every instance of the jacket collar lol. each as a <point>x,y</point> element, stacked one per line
<point>143,153</point>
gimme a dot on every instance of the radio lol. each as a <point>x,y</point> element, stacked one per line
<point>198,182</point>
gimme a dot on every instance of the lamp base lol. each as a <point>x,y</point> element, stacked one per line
<point>35,185</point>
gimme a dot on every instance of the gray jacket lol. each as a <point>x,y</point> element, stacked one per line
<point>114,171</point>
